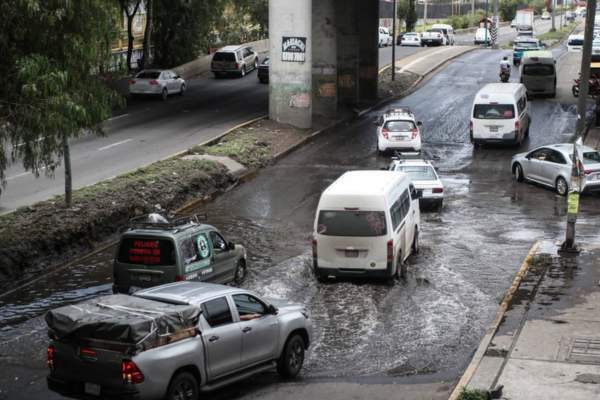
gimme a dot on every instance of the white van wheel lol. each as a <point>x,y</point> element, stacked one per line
<point>401,267</point>
<point>415,244</point>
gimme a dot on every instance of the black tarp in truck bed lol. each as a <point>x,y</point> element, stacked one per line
<point>121,318</point>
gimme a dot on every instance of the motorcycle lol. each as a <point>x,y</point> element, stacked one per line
<point>593,87</point>
<point>504,75</point>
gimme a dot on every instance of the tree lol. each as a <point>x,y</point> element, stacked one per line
<point>258,12</point>
<point>129,8</point>
<point>49,86</point>
<point>147,35</point>
<point>181,29</point>
<point>407,13</point>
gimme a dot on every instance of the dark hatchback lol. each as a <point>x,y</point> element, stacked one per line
<point>263,71</point>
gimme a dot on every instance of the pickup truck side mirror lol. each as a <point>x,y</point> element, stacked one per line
<point>231,246</point>
<point>272,309</point>
<point>419,123</point>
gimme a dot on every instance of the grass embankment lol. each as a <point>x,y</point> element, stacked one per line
<point>558,35</point>
<point>472,394</point>
<point>36,237</point>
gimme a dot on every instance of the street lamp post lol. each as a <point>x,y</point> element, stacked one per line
<point>574,188</point>
<point>394,42</point>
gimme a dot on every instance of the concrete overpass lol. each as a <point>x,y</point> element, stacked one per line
<point>323,53</point>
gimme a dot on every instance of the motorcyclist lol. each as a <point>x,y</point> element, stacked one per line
<point>505,65</point>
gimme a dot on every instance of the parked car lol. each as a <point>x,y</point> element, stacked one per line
<point>385,39</point>
<point>570,16</point>
<point>397,129</point>
<point>500,114</point>
<point>411,39</point>
<point>482,36</point>
<point>154,251</point>
<point>425,178</point>
<point>546,15</point>
<point>551,166</point>
<point>434,37</point>
<point>263,71</point>
<point>156,82</point>
<point>575,42</point>
<point>172,342</point>
<point>237,60</point>
<point>366,225</point>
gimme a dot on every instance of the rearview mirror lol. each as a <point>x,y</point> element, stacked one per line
<point>272,309</point>
<point>231,246</point>
<point>419,123</point>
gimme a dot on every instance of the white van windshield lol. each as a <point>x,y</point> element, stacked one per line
<point>352,223</point>
<point>538,69</point>
<point>494,111</point>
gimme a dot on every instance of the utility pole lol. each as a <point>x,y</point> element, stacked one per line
<point>553,15</point>
<point>394,42</point>
<point>485,24</point>
<point>495,21</point>
<point>424,12</point>
<point>472,7</point>
<point>574,188</point>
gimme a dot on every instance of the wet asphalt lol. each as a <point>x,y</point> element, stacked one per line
<point>423,328</point>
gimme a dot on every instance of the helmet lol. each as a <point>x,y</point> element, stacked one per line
<point>505,58</point>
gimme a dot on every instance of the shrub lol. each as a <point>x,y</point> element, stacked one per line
<point>472,394</point>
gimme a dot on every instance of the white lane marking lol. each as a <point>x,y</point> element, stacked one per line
<point>114,144</point>
<point>418,60</point>
<point>117,117</point>
<point>10,178</point>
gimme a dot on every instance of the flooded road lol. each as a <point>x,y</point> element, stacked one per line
<point>425,326</point>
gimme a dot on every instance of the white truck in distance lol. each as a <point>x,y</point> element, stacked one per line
<point>524,20</point>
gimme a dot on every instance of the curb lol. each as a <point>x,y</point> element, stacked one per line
<point>412,87</point>
<point>493,328</point>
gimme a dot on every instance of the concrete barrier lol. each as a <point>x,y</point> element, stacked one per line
<point>201,65</point>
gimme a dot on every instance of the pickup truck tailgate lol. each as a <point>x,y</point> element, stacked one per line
<point>91,368</point>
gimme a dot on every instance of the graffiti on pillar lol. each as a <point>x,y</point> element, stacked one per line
<point>346,81</point>
<point>293,49</point>
<point>327,89</point>
<point>300,100</point>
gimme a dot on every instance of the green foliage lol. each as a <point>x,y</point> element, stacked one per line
<point>181,29</point>
<point>407,13</point>
<point>472,394</point>
<point>49,85</point>
<point>465,21</point>
<point>508,8</point>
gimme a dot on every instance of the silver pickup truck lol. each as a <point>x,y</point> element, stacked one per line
<point>172,342</point>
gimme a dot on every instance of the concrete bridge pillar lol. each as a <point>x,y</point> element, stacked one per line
<point>324,70</point>
<point>290,75</point>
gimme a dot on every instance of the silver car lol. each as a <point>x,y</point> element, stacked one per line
<point>551,166</point>
<point>235,334</point>
<point>157,82</point>
<point>237,60</point>
<point>425,179</point>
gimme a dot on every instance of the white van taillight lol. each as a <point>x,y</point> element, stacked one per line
<point>414,132</point>
<point>390,253</point>
<point>385,133</point>
<point>437,190</point>
<point>314,248</point>
<point>517,125</point>
<point>131,373</point>
<point>50,357</point>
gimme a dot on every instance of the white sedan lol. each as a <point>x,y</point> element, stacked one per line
<point>157,82</point>
<point>411,39</point>
<point>425,179</point>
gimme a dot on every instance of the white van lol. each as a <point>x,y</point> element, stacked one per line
<point>385,38</point>
<point>448,31</point>
<point>500,113</point>
<point>575,43</point>
<point>366,225</point>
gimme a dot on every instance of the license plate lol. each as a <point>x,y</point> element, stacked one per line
<point>352,253</point>
<point>92,388</point>
<point>400,137</point>
<point>145,278</point>
<point>493,129</point>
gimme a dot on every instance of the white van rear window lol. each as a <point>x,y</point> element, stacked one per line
<point>494,111</point>
<point>352,223</point>
<point>538,70</point>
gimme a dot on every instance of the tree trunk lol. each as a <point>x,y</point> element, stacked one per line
<point>147,35</point>
<point>129,41</point>
<point>68,172</point>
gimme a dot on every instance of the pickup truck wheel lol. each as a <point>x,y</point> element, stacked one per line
<point>184,386</point>
<point>240,272</point>
<point>292,357</point>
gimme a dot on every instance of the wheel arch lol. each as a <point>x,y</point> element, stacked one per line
<point>192,369</point>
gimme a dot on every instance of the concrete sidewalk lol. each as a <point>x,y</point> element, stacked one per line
<point>424,62</point>
<point>547,344</point>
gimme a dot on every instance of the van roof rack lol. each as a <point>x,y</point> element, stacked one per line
<point>172,222</point>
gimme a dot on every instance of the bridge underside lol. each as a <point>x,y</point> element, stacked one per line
<point>323,53</point>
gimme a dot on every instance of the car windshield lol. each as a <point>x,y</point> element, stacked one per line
<point>418,172</point>
<point>399,126</point>
<point>591,156</point>
<point>538,70</point>
<point>494,111</point>
<point>148,75</point>
<point>222,56</point>
<point>146,251</point>
<point>410,34</point>
<point>436,30</point>
<point>352,223</point>
<point>575,42</point>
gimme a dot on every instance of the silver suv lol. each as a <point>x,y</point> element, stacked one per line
<point>172,342</point>
<point>237,60</point>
